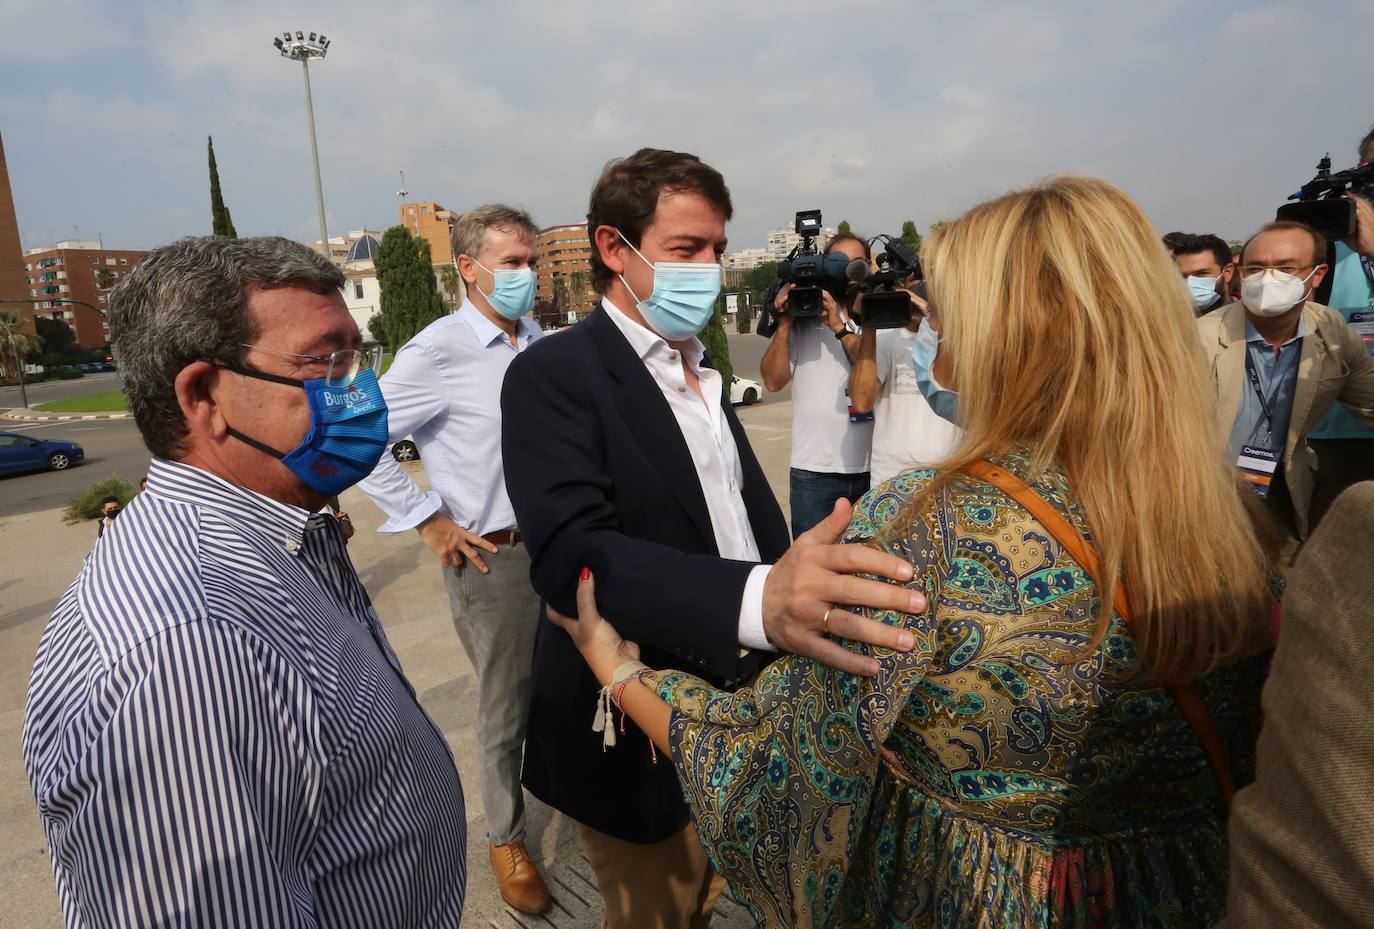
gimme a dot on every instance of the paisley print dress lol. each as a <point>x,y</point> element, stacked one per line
<point>999,775</point>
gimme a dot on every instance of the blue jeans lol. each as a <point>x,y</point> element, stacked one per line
<point>813,495</point>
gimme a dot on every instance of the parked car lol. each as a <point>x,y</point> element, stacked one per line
<point>405,450</point>
<point>744,392</point>
<point>24,453</point>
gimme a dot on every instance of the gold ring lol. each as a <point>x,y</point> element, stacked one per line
<point>825,622</point>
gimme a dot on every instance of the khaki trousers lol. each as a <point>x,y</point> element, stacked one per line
<point>666,885</point>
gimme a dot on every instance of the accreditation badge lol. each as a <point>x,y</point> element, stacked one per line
<point>1256,465</point>
<point>1364,325</point>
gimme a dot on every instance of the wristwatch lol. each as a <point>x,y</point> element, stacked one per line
<point>849,328</point>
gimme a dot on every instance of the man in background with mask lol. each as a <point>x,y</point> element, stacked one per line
<point>1278,363</point>
<point>1344,447</point>
<point>623,456</point>
<point>217,730</point>
<point>443,390</point>
<point>1206,265</point>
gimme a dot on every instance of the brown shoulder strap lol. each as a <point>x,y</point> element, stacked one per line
<point>1186,696</point>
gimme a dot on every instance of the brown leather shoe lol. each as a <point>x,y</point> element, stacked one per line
<point>519,880</point>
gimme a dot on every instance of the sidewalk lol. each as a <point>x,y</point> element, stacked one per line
<point>32,416</point>
<point>44,555</point>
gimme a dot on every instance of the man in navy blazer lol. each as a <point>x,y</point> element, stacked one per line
<point>623,455</point>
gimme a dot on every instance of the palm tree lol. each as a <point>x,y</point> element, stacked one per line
<point>104,278</point>
<point>16,340</point>
<point>560,292</point>
<point>577,282</point>
<point>448,279</point>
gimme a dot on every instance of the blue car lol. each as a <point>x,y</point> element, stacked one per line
<point>24,453</point>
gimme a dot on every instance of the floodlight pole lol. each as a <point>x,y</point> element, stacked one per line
<point>315,154</point>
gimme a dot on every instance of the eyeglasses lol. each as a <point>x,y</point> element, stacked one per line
<point>337,368</point>
<point>1295,270</point>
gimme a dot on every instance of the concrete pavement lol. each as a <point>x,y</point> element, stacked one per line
<point>42,556</point>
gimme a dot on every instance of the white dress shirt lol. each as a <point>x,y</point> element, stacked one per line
<point>714,455</point>
<point>444,391</point>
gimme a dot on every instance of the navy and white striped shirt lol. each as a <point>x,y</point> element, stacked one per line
<point>218,733</point>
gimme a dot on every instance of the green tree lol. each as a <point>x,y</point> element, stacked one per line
<point>910,236</point>
<point>844,228</point>
<point>937,226</point>
<point>410,297</point>
<point>560,293</point>
<point>448,279</point>
<point>717,346</point>
<point>13,339</point>
<point>57,337</point>
<point>221,223</point>
<point>577,286</point>
<point>104,278</point>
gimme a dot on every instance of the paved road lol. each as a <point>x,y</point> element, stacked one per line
<point>60,390</point>
<point>746,353</point>
<point>113,446</point>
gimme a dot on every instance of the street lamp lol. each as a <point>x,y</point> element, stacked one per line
<point>302,48</point>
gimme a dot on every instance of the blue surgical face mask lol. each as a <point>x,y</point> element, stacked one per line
<point>944,402</point>
<point>347,435</point>
<point>1204,292</point>
<point>513,293</point>
<point>684,297</point>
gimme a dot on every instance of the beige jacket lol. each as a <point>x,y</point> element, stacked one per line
<point>1334,365</point>
<point>1302,835</point>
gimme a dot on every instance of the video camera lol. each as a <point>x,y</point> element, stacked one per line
<point>885,304</point>
<point>1319,200</point>
<point>810,272</point>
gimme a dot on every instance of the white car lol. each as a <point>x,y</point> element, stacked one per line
<point>744,392</point>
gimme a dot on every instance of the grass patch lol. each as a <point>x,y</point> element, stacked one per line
<point>86,505</point>
<point>107,401</point>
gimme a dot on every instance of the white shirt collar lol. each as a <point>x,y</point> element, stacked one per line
<point>487,331</point>
<point>645,341</point>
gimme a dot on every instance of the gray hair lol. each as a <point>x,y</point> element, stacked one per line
<point>188,302</point>
<point>468,232</point>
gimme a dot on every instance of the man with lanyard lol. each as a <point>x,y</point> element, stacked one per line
<point>831,440</point>
<point>1279,362</point>
<point>1345,448</point>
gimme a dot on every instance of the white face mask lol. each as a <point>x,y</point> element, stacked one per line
<point>1273,293</point>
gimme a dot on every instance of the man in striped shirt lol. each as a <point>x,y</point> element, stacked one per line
<point>217,731</point>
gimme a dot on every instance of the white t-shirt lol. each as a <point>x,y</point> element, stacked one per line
<point>906,431</point>
<point>823,438</point>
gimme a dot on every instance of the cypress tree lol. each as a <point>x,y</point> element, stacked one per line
<point>410,297</point>
<point>221,222</point>
<point>717,347</point>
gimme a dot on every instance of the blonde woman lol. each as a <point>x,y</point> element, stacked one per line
<point>1059,748</point>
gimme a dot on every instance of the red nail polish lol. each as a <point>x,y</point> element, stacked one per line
<point>586,573</point>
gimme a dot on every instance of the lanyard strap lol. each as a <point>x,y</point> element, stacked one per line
<point>1189,701</point>
<point>1368,267</point>
<point>1253,375</point>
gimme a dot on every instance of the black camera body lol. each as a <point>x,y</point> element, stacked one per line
<point>885,305</point>
<point>810,272</point>
<point>1319,202</point>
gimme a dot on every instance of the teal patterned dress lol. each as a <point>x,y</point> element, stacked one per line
<point>997,776</point>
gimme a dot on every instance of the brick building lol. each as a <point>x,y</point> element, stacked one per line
<point>14,285</point>
<point>71,281</point>
<point>431,222</point>
<point>565,251</point>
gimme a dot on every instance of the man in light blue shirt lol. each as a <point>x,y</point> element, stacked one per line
<point>1345,454</point>
<point>443,390</point>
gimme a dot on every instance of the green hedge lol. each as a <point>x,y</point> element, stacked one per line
<point>86,505</point>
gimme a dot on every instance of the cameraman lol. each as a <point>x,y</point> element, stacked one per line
<point>1345,454</point>
<point>906,431</point>
<point>830,449</point>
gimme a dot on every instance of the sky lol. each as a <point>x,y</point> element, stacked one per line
<point>1208,113</point>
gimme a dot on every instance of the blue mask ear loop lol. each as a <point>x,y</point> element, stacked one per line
<point>271,378</point>
<point>641,258</point>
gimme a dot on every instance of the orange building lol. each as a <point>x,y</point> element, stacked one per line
<point>71,281</point>
<point>431,222</point>
<point>13,281</point>
<point>565,254</point>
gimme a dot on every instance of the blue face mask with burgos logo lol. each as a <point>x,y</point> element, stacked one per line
<point>347,436</point>
<point>943,401</point>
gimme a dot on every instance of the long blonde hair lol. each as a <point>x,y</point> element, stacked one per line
<point>1073,341</point>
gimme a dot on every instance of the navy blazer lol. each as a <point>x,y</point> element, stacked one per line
<point>600,475</point>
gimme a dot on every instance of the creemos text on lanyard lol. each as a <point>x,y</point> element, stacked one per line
<point>942,400</point>
<point>347,435</point>
<point>684,296</point>
<point>1272,292</point>
<point>513,293</point>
